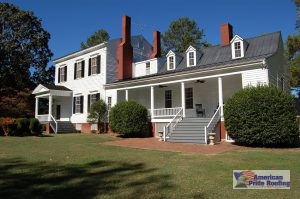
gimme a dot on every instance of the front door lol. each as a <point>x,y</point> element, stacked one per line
<point>57,112</point>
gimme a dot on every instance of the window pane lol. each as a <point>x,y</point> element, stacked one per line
<point>77,105</point>
<point>189,98</point>
<point>171,63</point>
<point>94,65</point>
<point>191,59</point>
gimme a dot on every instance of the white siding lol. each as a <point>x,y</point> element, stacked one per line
<point>139,68</point>
<point>255,77</point>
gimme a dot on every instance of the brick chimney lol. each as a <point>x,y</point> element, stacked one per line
<point>125,51</point>
<point>156,51</point>
<point>226,34</point>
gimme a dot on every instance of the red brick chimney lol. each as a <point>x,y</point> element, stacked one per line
<point>226,34</point>
<point>156,52</point>
<point>125,51</point>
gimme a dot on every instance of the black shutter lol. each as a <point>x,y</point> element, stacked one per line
<point>97,96</point>
<point>82,68</point>
<point>75,69</point>
<point>90,65</point>
<point>89,102</point>
<point>65,74</point>
<point>98,64</point>
<point>58,75</point>
<point>74,104</point>
<point>81,104</point>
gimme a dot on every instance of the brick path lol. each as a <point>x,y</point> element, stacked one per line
<point>155,144</point>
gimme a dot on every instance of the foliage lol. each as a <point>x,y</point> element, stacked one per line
<point>98,114</point>
<point>6,125</point>
<point>23,48</point>
<point>98,37</point>
<point>35,126</point>
<point>293,56</point>
<point>262,116</point>
<point>22,127</point>
<point>129,119</point>
<point>181,34</point>
<point>14,103</point>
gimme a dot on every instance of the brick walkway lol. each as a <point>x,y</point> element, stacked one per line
<point>155,144</point>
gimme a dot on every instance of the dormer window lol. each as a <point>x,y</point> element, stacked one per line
<point>238,47</point>
<point>171,63</point>
<point>191,56</point>
<point>191,61</point>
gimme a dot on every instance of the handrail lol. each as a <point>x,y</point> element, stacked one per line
<point>167,127</point>
<point>165,112</point>
<point>54,128</point>
<point>207,127</point>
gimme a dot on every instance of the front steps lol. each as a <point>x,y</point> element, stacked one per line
<point>189,130</point>
<point>63,127</point>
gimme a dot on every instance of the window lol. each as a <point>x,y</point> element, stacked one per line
<point>171,65</point>
<point>237,49</point>
<point>168,99</point>
<point>94,65</point>
<point>191,58</point>
<point>79,69</point>
<point>62,74</point>
<point>78,104</point>
<point>108,103</point>
<point>92,98</point>
<point>147,68</point>
<point>189,98</point>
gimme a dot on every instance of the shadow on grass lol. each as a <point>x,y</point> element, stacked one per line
<point>21,179</point>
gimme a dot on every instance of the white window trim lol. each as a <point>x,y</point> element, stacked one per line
<point>174,61</point>
<point>188,58</point>
<point>78,70</point>
<point>95,67</point>
<point>62,73</point>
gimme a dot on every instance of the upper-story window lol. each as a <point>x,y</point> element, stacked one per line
<point>147,68</point>
<point>94,65</point>
<point>171,63</point>
<point>237,49</point>
<point>62,74</point>
<point>191,59</point>
<point>79,69</point>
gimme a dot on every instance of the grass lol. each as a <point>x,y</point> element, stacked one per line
<point>80,166</point>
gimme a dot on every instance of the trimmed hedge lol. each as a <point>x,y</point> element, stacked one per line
<point>129,119</point>
<point>20,126</point>
<point>262,116</point>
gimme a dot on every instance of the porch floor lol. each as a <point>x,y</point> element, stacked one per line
<point>155,144</point>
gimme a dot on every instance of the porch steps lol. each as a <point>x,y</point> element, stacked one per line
<point>65,127</point>
<point>189,130</point>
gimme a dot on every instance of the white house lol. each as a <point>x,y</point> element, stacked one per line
<point>184,93</point>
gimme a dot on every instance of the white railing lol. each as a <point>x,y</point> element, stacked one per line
<point>53,123</point>
<point>165,112</point>
<point>212,123</point>
<point>43,118</point>
<point>170,126</point>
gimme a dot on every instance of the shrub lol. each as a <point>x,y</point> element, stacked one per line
<point>98,115</point>
<point>262,116</point>
<point>129,119</point>
<point>35,126</point>
<point>22,127</point>
<point>7,125</point>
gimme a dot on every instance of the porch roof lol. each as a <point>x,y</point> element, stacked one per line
<point>46,89</point>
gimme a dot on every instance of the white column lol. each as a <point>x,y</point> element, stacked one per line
<point>152,101</point>
<point>220,97</point>
<point>183,98</point>
<point>126,95</point>
<point>50,107</point>
<point>36,107</point>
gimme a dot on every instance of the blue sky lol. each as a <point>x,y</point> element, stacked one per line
<point>71,22</point>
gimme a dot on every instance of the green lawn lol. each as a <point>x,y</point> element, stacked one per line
<point>80,166</point>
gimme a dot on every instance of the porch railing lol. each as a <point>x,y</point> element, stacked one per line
<point>165,112</point>
<point>53,123</point>
<point>42,118</point>
<point>170,126</point>
<point>212,123</point>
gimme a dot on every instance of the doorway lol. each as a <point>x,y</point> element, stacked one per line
<point>57,112</point>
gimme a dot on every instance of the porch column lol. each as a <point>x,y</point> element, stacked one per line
<point>152,101</point>
<point>221,97</point>
<point>36,107</point>
<point>50,108</point>
<point>126,95</point>
<point>183,99</point>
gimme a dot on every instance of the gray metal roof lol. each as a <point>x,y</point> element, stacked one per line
<point>55,87</point>
<point>258,48</point>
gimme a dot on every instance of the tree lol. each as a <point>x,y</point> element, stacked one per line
<point>98,114</point>
<point>181,34</point>
<point>24,51</point>
<point>98,37</point>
